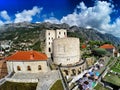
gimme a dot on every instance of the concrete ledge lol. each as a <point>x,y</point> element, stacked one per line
<point>22,80</point>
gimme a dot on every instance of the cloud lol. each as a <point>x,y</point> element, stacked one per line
<point>5,15</point>
<point>97,17</point>
<point>52,20</point>
<point>27,15</point>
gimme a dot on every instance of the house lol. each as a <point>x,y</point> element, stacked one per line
<point>110,48</point>
<point>27,61</point>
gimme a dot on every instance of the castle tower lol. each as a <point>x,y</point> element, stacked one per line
<point>50,35</point>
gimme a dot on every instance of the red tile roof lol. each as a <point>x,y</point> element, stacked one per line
<point>107,46</point>
<point>27,56</point>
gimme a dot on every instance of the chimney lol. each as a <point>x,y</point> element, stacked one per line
<point>31,56</point>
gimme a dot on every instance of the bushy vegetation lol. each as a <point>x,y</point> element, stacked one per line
<point>99,52</point>
<point>18,86</point>
<point>57,86</point>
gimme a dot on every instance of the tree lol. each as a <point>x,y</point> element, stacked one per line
<point>99,52</point>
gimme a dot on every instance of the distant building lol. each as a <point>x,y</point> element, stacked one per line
<point>27,61</point>
<point>50,35</point>
<point>3,69</point>
<point>110,48</point>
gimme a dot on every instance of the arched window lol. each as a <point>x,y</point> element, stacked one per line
<point>49,49</point>
<point>64,33</point>
<point>18,68</point>
<point>48,33</point>
<point>28,68</point>
<point>39,67</point>
<point>59,32</point>
<point>66,72</point>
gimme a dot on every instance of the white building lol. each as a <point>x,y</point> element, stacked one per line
<point>27,61</point>
<point>50,35</point>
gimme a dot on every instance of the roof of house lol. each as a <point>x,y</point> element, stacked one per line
<point>27,56</point>
<point>107,46</point>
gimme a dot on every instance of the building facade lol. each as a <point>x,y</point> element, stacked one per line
<point>27,62</point>
<point>50,35</point>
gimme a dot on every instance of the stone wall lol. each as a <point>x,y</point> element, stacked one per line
<point>66,51</point>
<point>50,35</point>
<point>3,68</point>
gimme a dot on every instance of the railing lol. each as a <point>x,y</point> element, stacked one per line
<point>75,65</point>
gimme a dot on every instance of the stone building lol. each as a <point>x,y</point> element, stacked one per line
<point>50,35</point>
<point>66,51</point>
<point>66,54</point>
<point>27,62</point>
<point>110,48</point>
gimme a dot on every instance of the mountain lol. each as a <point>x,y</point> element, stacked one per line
<point>92,34</point>
<point>27,36</point>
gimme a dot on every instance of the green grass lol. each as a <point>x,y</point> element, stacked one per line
<point>116,67</point>
<point>18,86</point>
<point>57,85</point>
<point>100,87</point>
<point>112,78</point>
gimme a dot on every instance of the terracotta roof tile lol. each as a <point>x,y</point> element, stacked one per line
<point>107,46</point>
<point>27,55</point>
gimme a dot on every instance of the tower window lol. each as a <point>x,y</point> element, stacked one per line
<point>49,38</point>
<point>39,67</point>
<point>28,68</point>
<point>49,43</point>
<point>18,68</point>
<point>59,32</point>
<point>49,49</point>
<point>48,33</point>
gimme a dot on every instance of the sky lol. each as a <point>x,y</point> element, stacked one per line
<point>102,15</point>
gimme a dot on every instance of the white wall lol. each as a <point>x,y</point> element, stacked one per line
<point>50,35</point>
<point>12,66</point>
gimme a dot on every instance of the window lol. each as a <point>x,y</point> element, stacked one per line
<point>58,36</point>
<point>64,33</point>
<point>49,43</point>
<point>48,33</point>
<point>59,32</point>
<point>28,68</point>
<point>49,49</point>
<point>49,38</point>
<point>66,72</point>
<point>39,67</point>
<point>18,68</point>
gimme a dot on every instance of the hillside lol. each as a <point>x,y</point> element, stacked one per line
<point>28,36</point>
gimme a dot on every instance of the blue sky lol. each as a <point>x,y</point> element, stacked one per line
<point>103,15</point>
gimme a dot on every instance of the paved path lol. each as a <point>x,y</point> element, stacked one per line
<point>45,80</point>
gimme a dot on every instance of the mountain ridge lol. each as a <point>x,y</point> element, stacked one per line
<point>29,34</point>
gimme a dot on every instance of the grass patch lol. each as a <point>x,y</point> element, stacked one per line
<point>57,85</point>
<point>18,86</point>
<point>116,67</point>
<point>100,87</point>
<point>112,78</point>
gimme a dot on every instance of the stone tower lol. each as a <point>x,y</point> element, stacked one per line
<point>50,35</point>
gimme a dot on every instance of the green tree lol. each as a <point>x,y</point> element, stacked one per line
<point>99,52</point>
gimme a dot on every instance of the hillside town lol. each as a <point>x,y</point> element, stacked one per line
<point>65,60</point>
